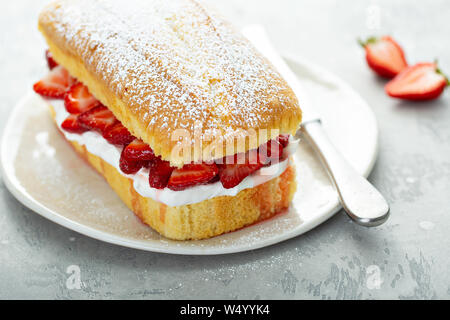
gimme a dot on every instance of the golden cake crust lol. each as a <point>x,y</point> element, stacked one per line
<point>162,66</point>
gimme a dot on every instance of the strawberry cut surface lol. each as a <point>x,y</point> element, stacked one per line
<point>118,134</point>
<point>138,150</point>
<point>231,174</point>
<point>71,124</point>
<point>160,172</point>
<point>50,61</point>
<point>131,166</point>
<point>98,118</point>
<point>283,139</point>
<point>422,81</point>
<point>270,151</point>
<point>55,84</point>
<point>78,99</point>
<point>385,56</point>
<point>192,174</point>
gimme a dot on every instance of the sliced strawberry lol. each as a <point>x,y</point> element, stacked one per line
<point>272,150</point>
<point>55,84</point>
<point>423,81</point>
<point>50,61</point>
<point>139,150</point>
<point>118,134</point>
<point>160,172</point>
<point>131,166</point>
<point>384,56</point>
<point>215,179</point>
<point>99,118</point>
<point>232,173</point>
<point>192,174</point>
<point>78,99</point>
<point>71,124</point>
<point>283,139</point>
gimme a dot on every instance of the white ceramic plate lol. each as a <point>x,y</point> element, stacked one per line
<point>45,174</point>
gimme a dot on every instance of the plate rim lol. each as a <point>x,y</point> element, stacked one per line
<point>13,185</point>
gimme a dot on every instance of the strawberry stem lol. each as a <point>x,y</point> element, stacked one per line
<point>369,40</point>
<point>439,71</point>
<point>442,74</point>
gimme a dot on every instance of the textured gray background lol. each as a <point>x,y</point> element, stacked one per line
<point>337,260</point>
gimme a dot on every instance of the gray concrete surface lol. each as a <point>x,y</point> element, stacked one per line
<point>407,258</point>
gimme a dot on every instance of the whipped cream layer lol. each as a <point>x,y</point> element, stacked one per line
<point>97,145</point>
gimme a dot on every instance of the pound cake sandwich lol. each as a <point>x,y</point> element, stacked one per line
<point>187,122</point>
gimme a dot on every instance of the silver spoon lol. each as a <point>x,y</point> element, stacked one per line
<point>363,203</point>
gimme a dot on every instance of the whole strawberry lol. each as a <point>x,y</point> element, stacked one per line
<point>384,56</point>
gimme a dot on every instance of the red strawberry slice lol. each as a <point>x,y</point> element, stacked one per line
<point>130,166</point>
<point>71,124</point>
<point>50,61</point>
<point>423,81</point>
<point>272,150</point>
<point>55,84</point>
<point>192,174</point>
<point>384,56</point>
<point>78,99</point>
<point>99,118</point>
<point>283,139</point>
<point>139,150</point>
<point>160,172</point>
<point>118,134</point>
<point>231,174</point>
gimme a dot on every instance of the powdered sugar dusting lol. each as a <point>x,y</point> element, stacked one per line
<point>174,63</point>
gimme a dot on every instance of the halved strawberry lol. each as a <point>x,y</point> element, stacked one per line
<point>139,150</point>
<point>283,139</point>
<point>50,61</point>
<point>384,56</point>
<point>78,99</point>
<point>160,172</point>
<point>71,124</point>
<point>99,118</point>
<point>423,81</point>
<point>272,150</point>
<point>130,166</point>
<point>118,134</point>
<point>231,174</point>
<point>55,84</point>
<point>192,174</point>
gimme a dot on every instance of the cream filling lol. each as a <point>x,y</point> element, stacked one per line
<point>110,153</point>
